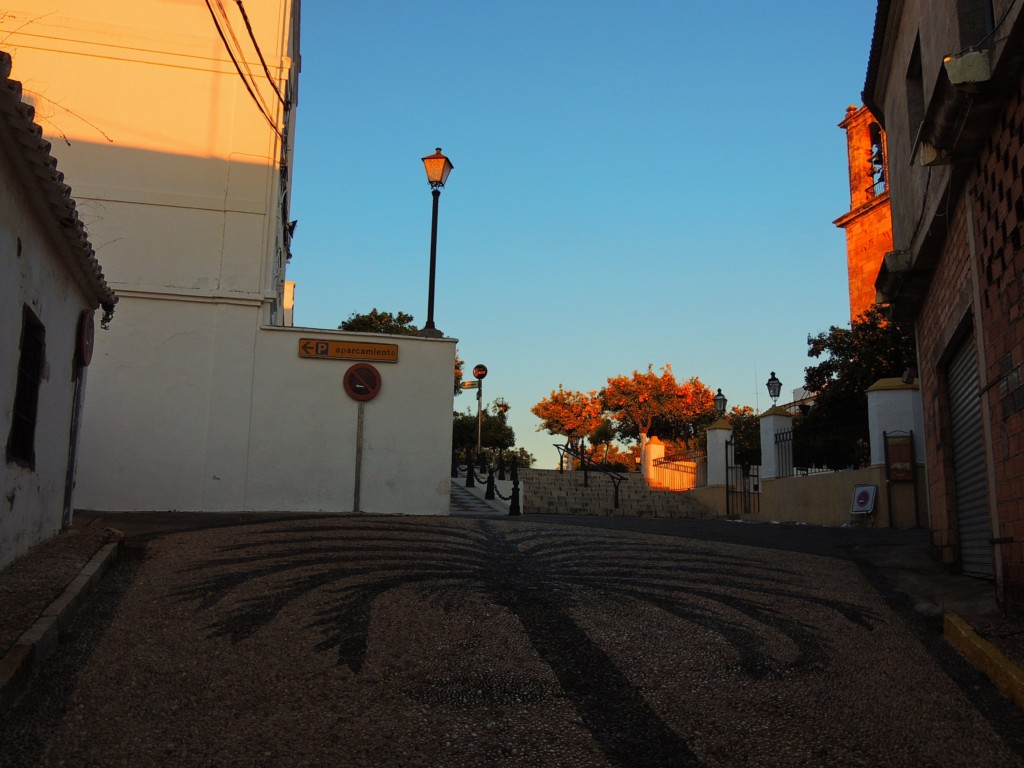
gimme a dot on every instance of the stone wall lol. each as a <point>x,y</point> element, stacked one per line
<point>556,493</point>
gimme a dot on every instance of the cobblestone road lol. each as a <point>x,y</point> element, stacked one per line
<point>461,642</point>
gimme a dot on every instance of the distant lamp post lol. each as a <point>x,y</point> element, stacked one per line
<point>720,402</point>
<point>438,167</point>
<point>774,388</point>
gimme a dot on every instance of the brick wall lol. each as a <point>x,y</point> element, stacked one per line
<point>993,201</point>
<point>997,189</point>
<point>868,225</point>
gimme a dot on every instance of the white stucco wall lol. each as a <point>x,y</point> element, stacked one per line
<point>31,503</point>
<point>302,452</point>
<point>193,407</point>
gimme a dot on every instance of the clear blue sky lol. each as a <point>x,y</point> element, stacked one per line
<point>651,183</point>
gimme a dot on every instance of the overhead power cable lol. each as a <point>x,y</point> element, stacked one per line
<point>259,52</point>
<point>243,60</point>
<point>252,94</point>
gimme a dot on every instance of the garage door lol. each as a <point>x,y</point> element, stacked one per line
<point>969,474</point>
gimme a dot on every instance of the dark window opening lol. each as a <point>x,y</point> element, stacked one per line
<point>915,92</point>
<point>878,182</point>
<point>977,22</point>
<point>22,439</point>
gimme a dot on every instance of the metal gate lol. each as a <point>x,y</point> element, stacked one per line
<point>970,486</point>
<point>742,484</point>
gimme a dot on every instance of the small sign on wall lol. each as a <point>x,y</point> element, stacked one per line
<point>864,499</point>
<point>333,349</point>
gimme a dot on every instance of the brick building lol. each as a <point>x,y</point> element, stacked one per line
<point>945,82</point>
<point>868,223</point>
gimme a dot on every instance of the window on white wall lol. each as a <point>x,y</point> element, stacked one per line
<point>21,442</point>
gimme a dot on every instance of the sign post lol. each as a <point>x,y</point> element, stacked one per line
<point>362,384</point>
<point>479,372</point>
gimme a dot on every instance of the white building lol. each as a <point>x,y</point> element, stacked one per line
<point>52,284</point>
<point>181,118</point>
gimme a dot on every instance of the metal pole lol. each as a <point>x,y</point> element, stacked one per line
<point>479,415</point>
<point>429,326</point>
<point>359,460</point>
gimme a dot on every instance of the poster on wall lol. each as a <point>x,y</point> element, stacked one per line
<point>899,457</point>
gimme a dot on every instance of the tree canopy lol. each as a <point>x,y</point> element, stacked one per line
<point>872,348</point>
<point>649,403</point>
<point>375,321</point>
<point>835,430</point>
<point>575,415</point>
<point>495,431</point>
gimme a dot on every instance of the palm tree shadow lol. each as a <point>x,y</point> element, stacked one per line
<point>534,575</point>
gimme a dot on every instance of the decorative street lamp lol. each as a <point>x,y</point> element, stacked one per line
<point>438,167</point>
<point>720,402</point>
<point>774,388</point>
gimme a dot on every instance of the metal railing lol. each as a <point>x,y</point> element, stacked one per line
<point>790,461</point>
<point>676,475</point>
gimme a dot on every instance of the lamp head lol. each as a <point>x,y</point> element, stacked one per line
<point>774,388</point>
<point>438,167</point>
<point>720,401</point>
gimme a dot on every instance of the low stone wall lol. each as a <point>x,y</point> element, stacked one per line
<point>562,493</point>
<point>821,499</point>
<point>826,499</point>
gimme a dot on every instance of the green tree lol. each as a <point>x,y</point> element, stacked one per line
<point>522,457</point>
<point>872,348</point>
<point>375,321</point>
<point>746,435</point>
<point>495,431</point>
<point>834,431</point>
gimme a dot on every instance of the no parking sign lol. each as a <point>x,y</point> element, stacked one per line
<point>362,382</point>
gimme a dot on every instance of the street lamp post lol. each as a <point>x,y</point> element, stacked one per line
<point>774,388</point>
<point>438,167</point>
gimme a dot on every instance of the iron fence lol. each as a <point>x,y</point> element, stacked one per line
<point>742,484</point>
<point>679,475</point>
<point>811,447</point>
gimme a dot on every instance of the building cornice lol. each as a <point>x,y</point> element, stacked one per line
<point>875,202</point>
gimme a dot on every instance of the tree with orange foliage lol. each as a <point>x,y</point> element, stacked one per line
<point>649,404</point>
<point>567,412</point>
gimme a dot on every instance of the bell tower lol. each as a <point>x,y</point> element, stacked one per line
<point>868,224</point>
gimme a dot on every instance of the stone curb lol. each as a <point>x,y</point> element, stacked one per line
<point>22,660</point>
<point>985,657</point>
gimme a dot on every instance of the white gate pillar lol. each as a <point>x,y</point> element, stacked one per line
<point>774,420</point>
<point>894,407</point>
<point>654,449</point>
<point>719,434</point>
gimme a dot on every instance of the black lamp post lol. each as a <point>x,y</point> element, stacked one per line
<point>720,402</point>
<point>438,167</point>
<point>774,388</point>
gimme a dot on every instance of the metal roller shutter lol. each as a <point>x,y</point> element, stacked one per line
<point>969,472</point>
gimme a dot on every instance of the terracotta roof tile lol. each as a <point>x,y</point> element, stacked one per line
<point>17,121</point>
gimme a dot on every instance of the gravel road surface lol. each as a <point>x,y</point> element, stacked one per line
<point>469,642</point>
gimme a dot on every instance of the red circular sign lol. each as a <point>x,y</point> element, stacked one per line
<point>86,336</point>
<point>362,382</point>
<point>479,371</point>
